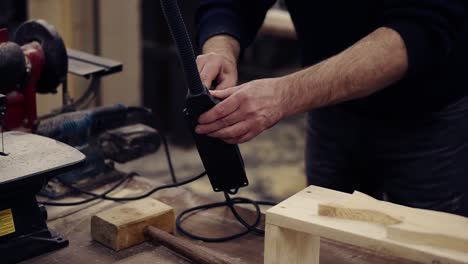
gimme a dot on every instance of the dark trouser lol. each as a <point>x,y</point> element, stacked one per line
<point>419,163</point>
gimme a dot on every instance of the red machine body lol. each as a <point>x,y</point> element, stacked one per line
<point>22,109</point>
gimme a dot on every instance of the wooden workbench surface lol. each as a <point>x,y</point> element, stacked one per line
<point>74,224</point>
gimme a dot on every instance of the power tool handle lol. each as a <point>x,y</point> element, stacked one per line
<point>222,161</point>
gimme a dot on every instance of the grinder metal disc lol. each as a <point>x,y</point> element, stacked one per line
<point>56,59</point>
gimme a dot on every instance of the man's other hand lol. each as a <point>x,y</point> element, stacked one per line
<point>213,66</point>
<point>244,112</point>
<point>219,62</point>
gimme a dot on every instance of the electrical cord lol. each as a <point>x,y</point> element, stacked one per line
<point>168,158</point>
<point>184,215</point>
<point>230,202</point>
<point>104,196</point>
<point>138,197</point>
<point>95,196</point>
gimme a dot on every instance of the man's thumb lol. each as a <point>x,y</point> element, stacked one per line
<point>224,93</point>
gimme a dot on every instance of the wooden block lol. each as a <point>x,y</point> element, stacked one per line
<point>300,213</point>
<point>403,223</point>
<point>123,226</point>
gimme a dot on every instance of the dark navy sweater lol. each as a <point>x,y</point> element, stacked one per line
<point>434,31</point>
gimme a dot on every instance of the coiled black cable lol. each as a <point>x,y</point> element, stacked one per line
<point>95,196</point>
<point>230,202</point>
<point>168,158</point>
<point>183,216</point>
<point>104,196</point>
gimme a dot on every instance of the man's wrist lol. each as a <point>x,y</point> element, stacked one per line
<point>224,45</point>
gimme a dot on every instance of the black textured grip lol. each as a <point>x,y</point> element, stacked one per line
<point>12,67</point>
<point>181,37</point>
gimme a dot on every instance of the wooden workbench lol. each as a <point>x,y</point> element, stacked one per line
<point>75,226</point>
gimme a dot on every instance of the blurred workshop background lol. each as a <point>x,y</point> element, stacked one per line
<point>134,32</point>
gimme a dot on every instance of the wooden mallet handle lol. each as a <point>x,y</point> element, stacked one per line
<point>185,248</point>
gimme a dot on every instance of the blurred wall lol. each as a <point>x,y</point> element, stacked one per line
<point>120,40</point>
<point>12,13</point>
<point>117,22</point>
<point>164,84</point>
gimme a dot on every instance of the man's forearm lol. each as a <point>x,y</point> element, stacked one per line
<point>223,45</point>
<point>373,63</point>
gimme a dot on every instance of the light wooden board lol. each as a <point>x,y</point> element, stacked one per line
<point>31,155</point>
<point>300,213</point>
<point>403,223</point>
<point>278,23</point>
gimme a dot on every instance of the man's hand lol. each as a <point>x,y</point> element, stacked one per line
<point>246,111</point>
<point>370,65</point>
<point>219,62</point>
<point>214,66</point>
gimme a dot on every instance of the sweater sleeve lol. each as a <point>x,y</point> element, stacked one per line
<point>241,19</point>
<point>429,29</point>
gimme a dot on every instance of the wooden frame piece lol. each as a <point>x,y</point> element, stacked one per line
<point>294,228</point>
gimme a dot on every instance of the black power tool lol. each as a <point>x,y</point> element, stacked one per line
<point>223,162</point>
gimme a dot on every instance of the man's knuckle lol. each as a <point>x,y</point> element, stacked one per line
<point>225,122</point>
<point>216,126</point>
<point>243,140</point>
<point>241,96</point>
<point>208,128</point>
<point>220,110</point>
<point>230,134</point>
<point>250,137</point>
<point>264,123</point>
<point>204,76</point>
<point>250,108</point>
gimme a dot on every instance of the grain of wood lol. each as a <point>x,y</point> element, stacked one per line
<point>366,215</point>
<point>286,246</point>
<point>403,223</point>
